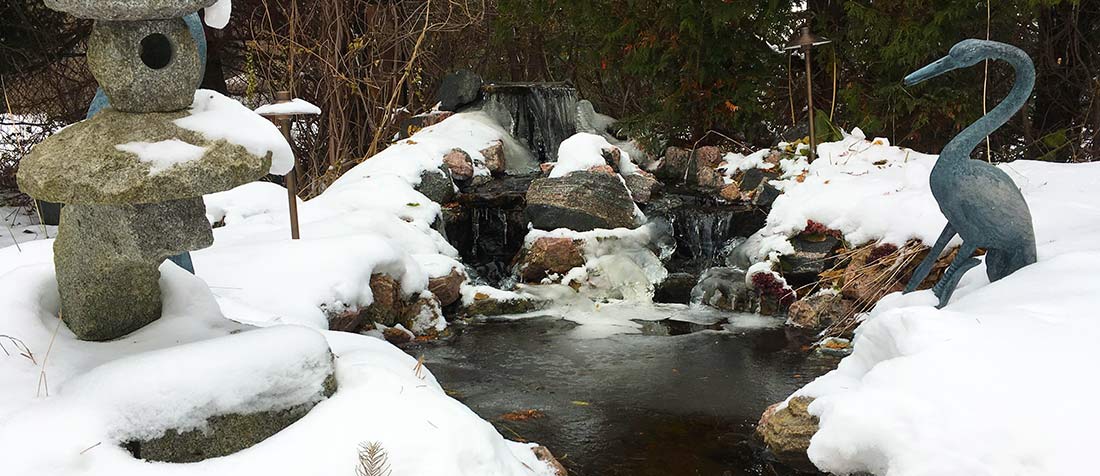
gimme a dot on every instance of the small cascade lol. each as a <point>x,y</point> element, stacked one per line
<point>487,227</point>
<point>706,231</point>
<point>539,115</point>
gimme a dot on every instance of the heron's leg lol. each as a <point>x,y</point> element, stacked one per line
<point>961,264</point>
<point>929,261</point>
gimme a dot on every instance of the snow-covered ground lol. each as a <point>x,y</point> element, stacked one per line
<point>370,221</point>
<point>999,382</point>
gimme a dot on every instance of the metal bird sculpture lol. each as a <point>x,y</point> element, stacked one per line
<point>980,201</point>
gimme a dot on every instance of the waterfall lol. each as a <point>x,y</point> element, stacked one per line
<point>538,115</point>
<point>704,233</point>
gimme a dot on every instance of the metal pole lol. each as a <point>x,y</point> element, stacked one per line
<point>291,177</point>
<point>810,104</point>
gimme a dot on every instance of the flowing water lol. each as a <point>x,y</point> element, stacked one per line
<point>539,115</point>
<point>667,402</point>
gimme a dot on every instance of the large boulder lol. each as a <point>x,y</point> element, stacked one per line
<point>550,255</point>
<point>580,201</point>
<point>459,88</point>
<point>786,433</point>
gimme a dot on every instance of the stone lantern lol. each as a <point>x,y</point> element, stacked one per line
<point>132,177</point>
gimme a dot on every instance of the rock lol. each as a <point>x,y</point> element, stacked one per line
<point>390,308</point>
<point>725,289</point>
<point>81,165</point>
<point>397,336</point>
<point>458,89</point>
<point>128,9</point>
<point>812,256</point>
<point>284,391</point>
<point>546,168</point>
<point>108,257</point>
<point>145,66</point>
<point>580,201</point>
<point>437,185</point>
<point>731,192</point>
<point>549,255</point>
<point>460,164</point>
<point>487,306</point>
<point>643,186</point>
<point>543,454</point>
<point>447,289</point>
<point>815,313</point>
<point>674,165</point>
<point>765,194</point>
<point>675,289</point>
<point>613,158</point>
<point>603,169</point>
<point>495,159</point>
<point>707,175</point>
<point>787,432</point>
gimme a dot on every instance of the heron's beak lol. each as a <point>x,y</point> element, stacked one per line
<point>941,66</point>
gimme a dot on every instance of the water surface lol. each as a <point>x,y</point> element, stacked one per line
<point>626,404</point>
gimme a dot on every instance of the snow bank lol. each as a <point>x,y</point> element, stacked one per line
<point>996,383</point>
<point>371,220</point>
<point>101,392</point>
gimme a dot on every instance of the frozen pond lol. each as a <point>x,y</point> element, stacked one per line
<point>638,404</point>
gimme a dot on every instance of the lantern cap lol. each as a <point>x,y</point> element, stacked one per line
<point>805,39</point>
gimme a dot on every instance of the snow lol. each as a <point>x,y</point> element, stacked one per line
<point>734,162</point>
<point>217,15</point>
<point>21,225</point>
<point>371,220</point>
<point>256,198</point>
<point>583,151</point>
<point>209,378</point>
<point>163,155</point>
<point>217,117</point>
<point>997,382</point>
<point>292,107</point>
<point>193,362</point>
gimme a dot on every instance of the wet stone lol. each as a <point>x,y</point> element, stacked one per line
<point>145,66</point>
<point>128,9</point>
<point>108,257</point>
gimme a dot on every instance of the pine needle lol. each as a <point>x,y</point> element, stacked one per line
<point>373,460</point>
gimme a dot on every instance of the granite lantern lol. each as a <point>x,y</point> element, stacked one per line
<point>132,177</point>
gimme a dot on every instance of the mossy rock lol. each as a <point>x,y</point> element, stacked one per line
<point>224,434</point>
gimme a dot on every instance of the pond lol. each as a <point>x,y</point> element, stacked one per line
<point>669,401</point>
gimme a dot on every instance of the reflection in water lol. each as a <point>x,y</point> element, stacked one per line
<point>628,404</point>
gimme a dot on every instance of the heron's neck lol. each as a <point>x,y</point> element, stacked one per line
<point>959,149</point>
